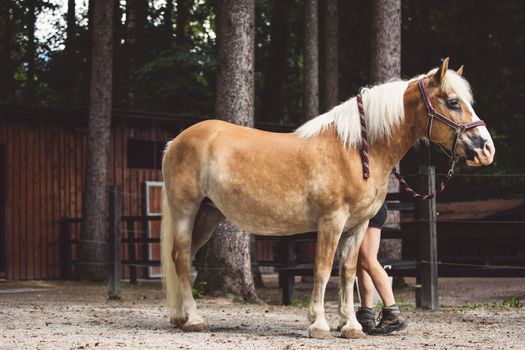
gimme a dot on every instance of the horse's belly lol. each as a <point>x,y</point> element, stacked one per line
<point>280,219</point>
<point>261,212</point>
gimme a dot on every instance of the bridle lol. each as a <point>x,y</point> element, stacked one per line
<point>458,129</point>
<point>432,113</point>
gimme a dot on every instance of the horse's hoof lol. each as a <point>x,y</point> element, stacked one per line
<point>177,322</point>
<point>195,327</point>
<point>317,333</point>
<point>353,333</point>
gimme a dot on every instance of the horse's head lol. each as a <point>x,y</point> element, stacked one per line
<point>447,96</point>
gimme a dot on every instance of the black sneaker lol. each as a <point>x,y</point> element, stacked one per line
<point>390,320</point>
<point>366,317</point>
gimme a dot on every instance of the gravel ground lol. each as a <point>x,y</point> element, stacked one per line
<point>68,315</point>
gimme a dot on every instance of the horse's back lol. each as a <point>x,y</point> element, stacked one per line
<point>184,158</point>
<point>244,171</point>
<point>219,144</point>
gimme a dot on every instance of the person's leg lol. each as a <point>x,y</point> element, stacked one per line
<point>366,288</point>
<point>391,319</point>
<point>370,273</point>
<point>365,284</point>
<point>365,314</point>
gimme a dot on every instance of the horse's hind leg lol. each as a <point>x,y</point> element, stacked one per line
<point>177,227</point>
<point>208,218</point>
<point>185,245</point>
<point>349,251</point>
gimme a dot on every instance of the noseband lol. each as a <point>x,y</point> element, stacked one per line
<point>432,113</point>
<point>459,129</point>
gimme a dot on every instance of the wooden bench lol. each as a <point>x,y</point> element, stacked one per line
<point>288,267</point>
<point>287,275</point>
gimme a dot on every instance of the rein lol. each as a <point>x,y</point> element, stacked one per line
<point>459,129</point>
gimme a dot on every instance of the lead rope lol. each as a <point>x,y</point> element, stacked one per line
<point>402,181</point>
<point>418,196</point>
<point>364,138</point>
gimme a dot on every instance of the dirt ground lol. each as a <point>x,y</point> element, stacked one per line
<point>475,314</point>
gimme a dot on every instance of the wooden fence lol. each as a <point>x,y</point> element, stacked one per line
<point>420,233</point>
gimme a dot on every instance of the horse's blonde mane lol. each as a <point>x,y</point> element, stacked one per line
<point>384,110</point>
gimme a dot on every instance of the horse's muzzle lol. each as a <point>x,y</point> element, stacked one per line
<point>478,155</point>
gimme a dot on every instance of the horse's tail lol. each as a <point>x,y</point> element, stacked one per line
<point>170,277</point>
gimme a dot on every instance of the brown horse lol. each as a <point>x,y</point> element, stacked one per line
<point>286,183</point>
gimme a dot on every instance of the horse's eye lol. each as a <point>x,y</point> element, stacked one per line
<point>453,103</point>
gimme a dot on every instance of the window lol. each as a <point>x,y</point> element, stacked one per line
<point>143,154</point>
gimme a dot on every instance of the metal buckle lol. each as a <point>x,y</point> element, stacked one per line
<point>461,129</point>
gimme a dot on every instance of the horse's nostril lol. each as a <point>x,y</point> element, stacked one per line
<point>488,149</point>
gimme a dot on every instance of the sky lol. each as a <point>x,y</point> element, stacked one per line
<point>46,20</point>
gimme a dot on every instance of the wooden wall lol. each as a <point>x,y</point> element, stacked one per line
<point>44,177</point>
<point>44,174</point>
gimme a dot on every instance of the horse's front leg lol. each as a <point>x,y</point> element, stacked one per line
<point>328,234</point>
<point>349,252</point>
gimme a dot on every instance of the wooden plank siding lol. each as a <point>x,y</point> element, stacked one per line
<point>44,176</point>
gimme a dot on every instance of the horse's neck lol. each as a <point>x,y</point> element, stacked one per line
<point>388,152</point>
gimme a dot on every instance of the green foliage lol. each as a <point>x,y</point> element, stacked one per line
<point>512,302</point>
<point>179,79</point>
<point>475,306</point>
<point>199,289</point>
<point>301,302</point>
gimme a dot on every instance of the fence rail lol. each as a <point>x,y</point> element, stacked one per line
<point>425,264</point>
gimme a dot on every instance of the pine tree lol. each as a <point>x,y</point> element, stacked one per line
<point>311,61</point>
<point>93,249</point>
<point>229,248</point>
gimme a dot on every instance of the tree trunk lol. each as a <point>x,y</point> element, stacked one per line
<point>93,245</point>
<point>272,106</point>
<point>386,65</point>
<point>137,14</point>
<point>331,61</point>
<point>168,22</point>
<point>311,61</point>
<point>71,29</point>
<point>120,72</point>
<point>229,248</point>
<point>137,11</point>
<point>386,41</point>
<point>118,28</point>
<point>31,49</point>
<point>6,48</point>
<point>183,14</point>
<point>87,65</point>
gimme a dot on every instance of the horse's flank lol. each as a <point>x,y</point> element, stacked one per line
<point>281,186</point>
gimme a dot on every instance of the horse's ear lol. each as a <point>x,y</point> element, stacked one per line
<point>440,74</point>
<point>460,70</point>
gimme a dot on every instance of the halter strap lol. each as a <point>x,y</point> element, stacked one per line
<point>432,113</point>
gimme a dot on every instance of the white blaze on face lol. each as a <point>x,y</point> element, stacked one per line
<point>484,156</point>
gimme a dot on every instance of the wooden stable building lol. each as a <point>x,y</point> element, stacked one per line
<point>42,155</point>
<point>42,158</point>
